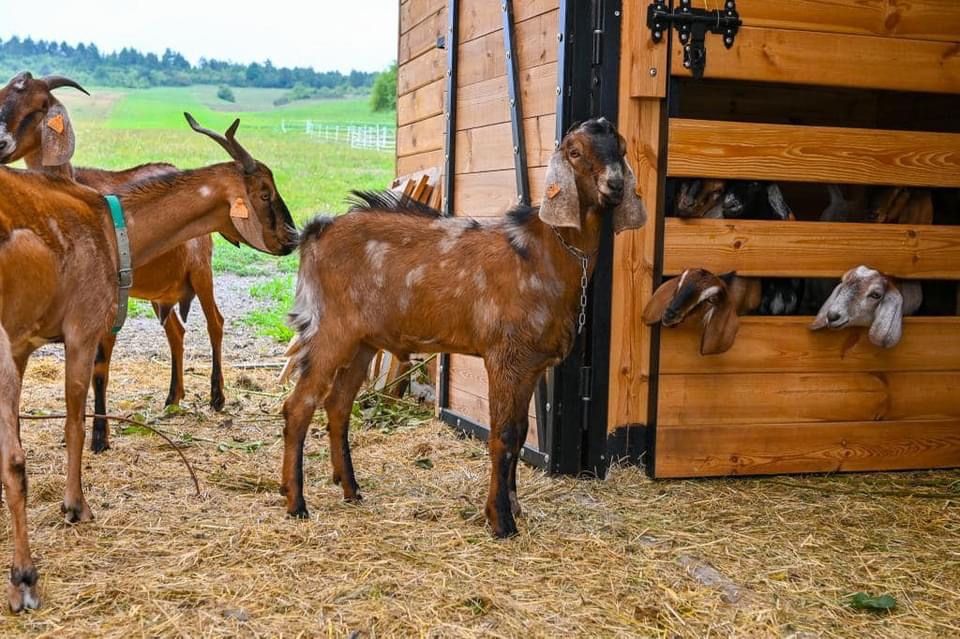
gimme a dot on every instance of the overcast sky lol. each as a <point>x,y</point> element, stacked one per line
<point>324,34</point>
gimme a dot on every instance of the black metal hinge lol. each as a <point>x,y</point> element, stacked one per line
<point>586,383</point>
<point>692,26</point>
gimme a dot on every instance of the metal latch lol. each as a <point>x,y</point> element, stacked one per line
<point>692,26</point>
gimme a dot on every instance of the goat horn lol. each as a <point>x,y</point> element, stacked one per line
<point>57,81</point>
<point>229,143</point>
<point>242,155</point>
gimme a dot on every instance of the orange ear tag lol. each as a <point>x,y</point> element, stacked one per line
<point>56,123</point>
<point>239,209</point>
<point>553,191</point>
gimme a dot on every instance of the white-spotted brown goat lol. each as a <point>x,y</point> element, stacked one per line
<point>394,275</point>
<point>716,300</point>
<point>58,283</point>
<point>35,127</point>
<point>867,297</point>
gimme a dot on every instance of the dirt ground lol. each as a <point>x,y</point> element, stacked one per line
<point>625,557</point>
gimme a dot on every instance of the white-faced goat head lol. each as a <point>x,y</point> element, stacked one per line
<point>867,297</point>
<point>715,300</point>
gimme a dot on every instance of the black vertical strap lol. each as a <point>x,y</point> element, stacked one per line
<point>563,73</point>
<point>443,376</point>
<point>516,109</point>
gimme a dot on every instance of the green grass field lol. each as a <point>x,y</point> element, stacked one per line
<point>118,128</point>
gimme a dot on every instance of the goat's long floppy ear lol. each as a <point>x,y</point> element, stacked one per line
<point>887,326</point>
<point>660,300</point>
<point>561,201</point>
<point>720,329</point>
<point>56,136</point>
<point>630,213</point>
<point>820,321</point>
<point>779,205</point>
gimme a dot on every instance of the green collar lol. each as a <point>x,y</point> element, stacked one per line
<point>124,269</point>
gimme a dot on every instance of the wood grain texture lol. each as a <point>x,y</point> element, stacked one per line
<point>483,58</point>
<point>775,398</point>
<point>422,136</point>
<point>713,450</point>
<point>811,249</point>
<point>481,17</point>
<point>413,13</point>
<point>786,344</point>
<point>487,103</point>
<point>422,103</point>
<point>420,162</point>
<point>492,193</point>
<point>423,37</point>
<point>829,59</point>
<point>643,63</point>
<point>915,19</point>
<point>421,71</point>
<point>702,148</point>
<point>490,148</point>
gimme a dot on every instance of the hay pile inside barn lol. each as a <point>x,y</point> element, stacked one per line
<point>625,557</point>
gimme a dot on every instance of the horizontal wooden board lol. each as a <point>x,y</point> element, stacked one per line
<point>490,148</point>
<point>420,162</point>
<point>422,136</point>
<point>811,249</point>
<point>704,148</point>
<point>422,70</point>
<point>487,102</point>
<point>783,398</point>
<point>469,377</point>
<point>480,17</point>
<point>413,13</point>
<point>493,193</point>
<point>915,19</point>
<point>483,58</point>
<point>786,344</point>
<point>829,59</point>
<point>425,102</point>
<point>423,37</point>
<point>713,450</point>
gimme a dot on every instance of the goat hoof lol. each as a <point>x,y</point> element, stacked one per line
<point>505,531</point>
<point>22,590</point>
<point>98,445</point>
<point>298,510</point>
<point>502,524</point>
<point>217,401</point>
<point>76,514</point>
<point>355,498</point>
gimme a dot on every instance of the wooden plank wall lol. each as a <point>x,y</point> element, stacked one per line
<point>785,399</point>
<point>485,185</point>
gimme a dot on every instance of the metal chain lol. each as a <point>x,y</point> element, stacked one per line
<point>584,260</point>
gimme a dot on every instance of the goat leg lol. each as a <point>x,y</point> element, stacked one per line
<point>22,589</point>
<point>524,426</point>
<point>338,407</point>
<point>100,440</point>
<point>80,352</point>
<point>202,284</point>
<point>175,331</point>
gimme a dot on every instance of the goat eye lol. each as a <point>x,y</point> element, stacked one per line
<point>574,153</point>
<point>875,295</point>
<point>265,196</point>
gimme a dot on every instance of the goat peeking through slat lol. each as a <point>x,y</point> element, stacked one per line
<point>394,275</point>
<point>717,300</point>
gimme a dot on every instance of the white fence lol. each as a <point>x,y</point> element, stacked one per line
<point>358,136</point>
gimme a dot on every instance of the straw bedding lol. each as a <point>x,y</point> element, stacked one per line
<point>625,557</point>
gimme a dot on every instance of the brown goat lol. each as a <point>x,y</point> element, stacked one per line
<point>30,117</point>
<point>394,275</point>
<point>716,300</point>
<point>58,283</point>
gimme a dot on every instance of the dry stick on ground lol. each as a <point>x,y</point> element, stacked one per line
<point>186,462</point>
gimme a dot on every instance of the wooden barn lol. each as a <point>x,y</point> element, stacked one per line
<point>802,93</point>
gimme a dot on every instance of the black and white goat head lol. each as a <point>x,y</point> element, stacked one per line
<point>716,299</point>
<point>731,199</point>
<point>867,297</point>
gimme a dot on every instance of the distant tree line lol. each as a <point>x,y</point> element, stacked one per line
<point>131,68</point>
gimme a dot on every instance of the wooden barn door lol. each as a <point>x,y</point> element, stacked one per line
<point>810,93</point>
